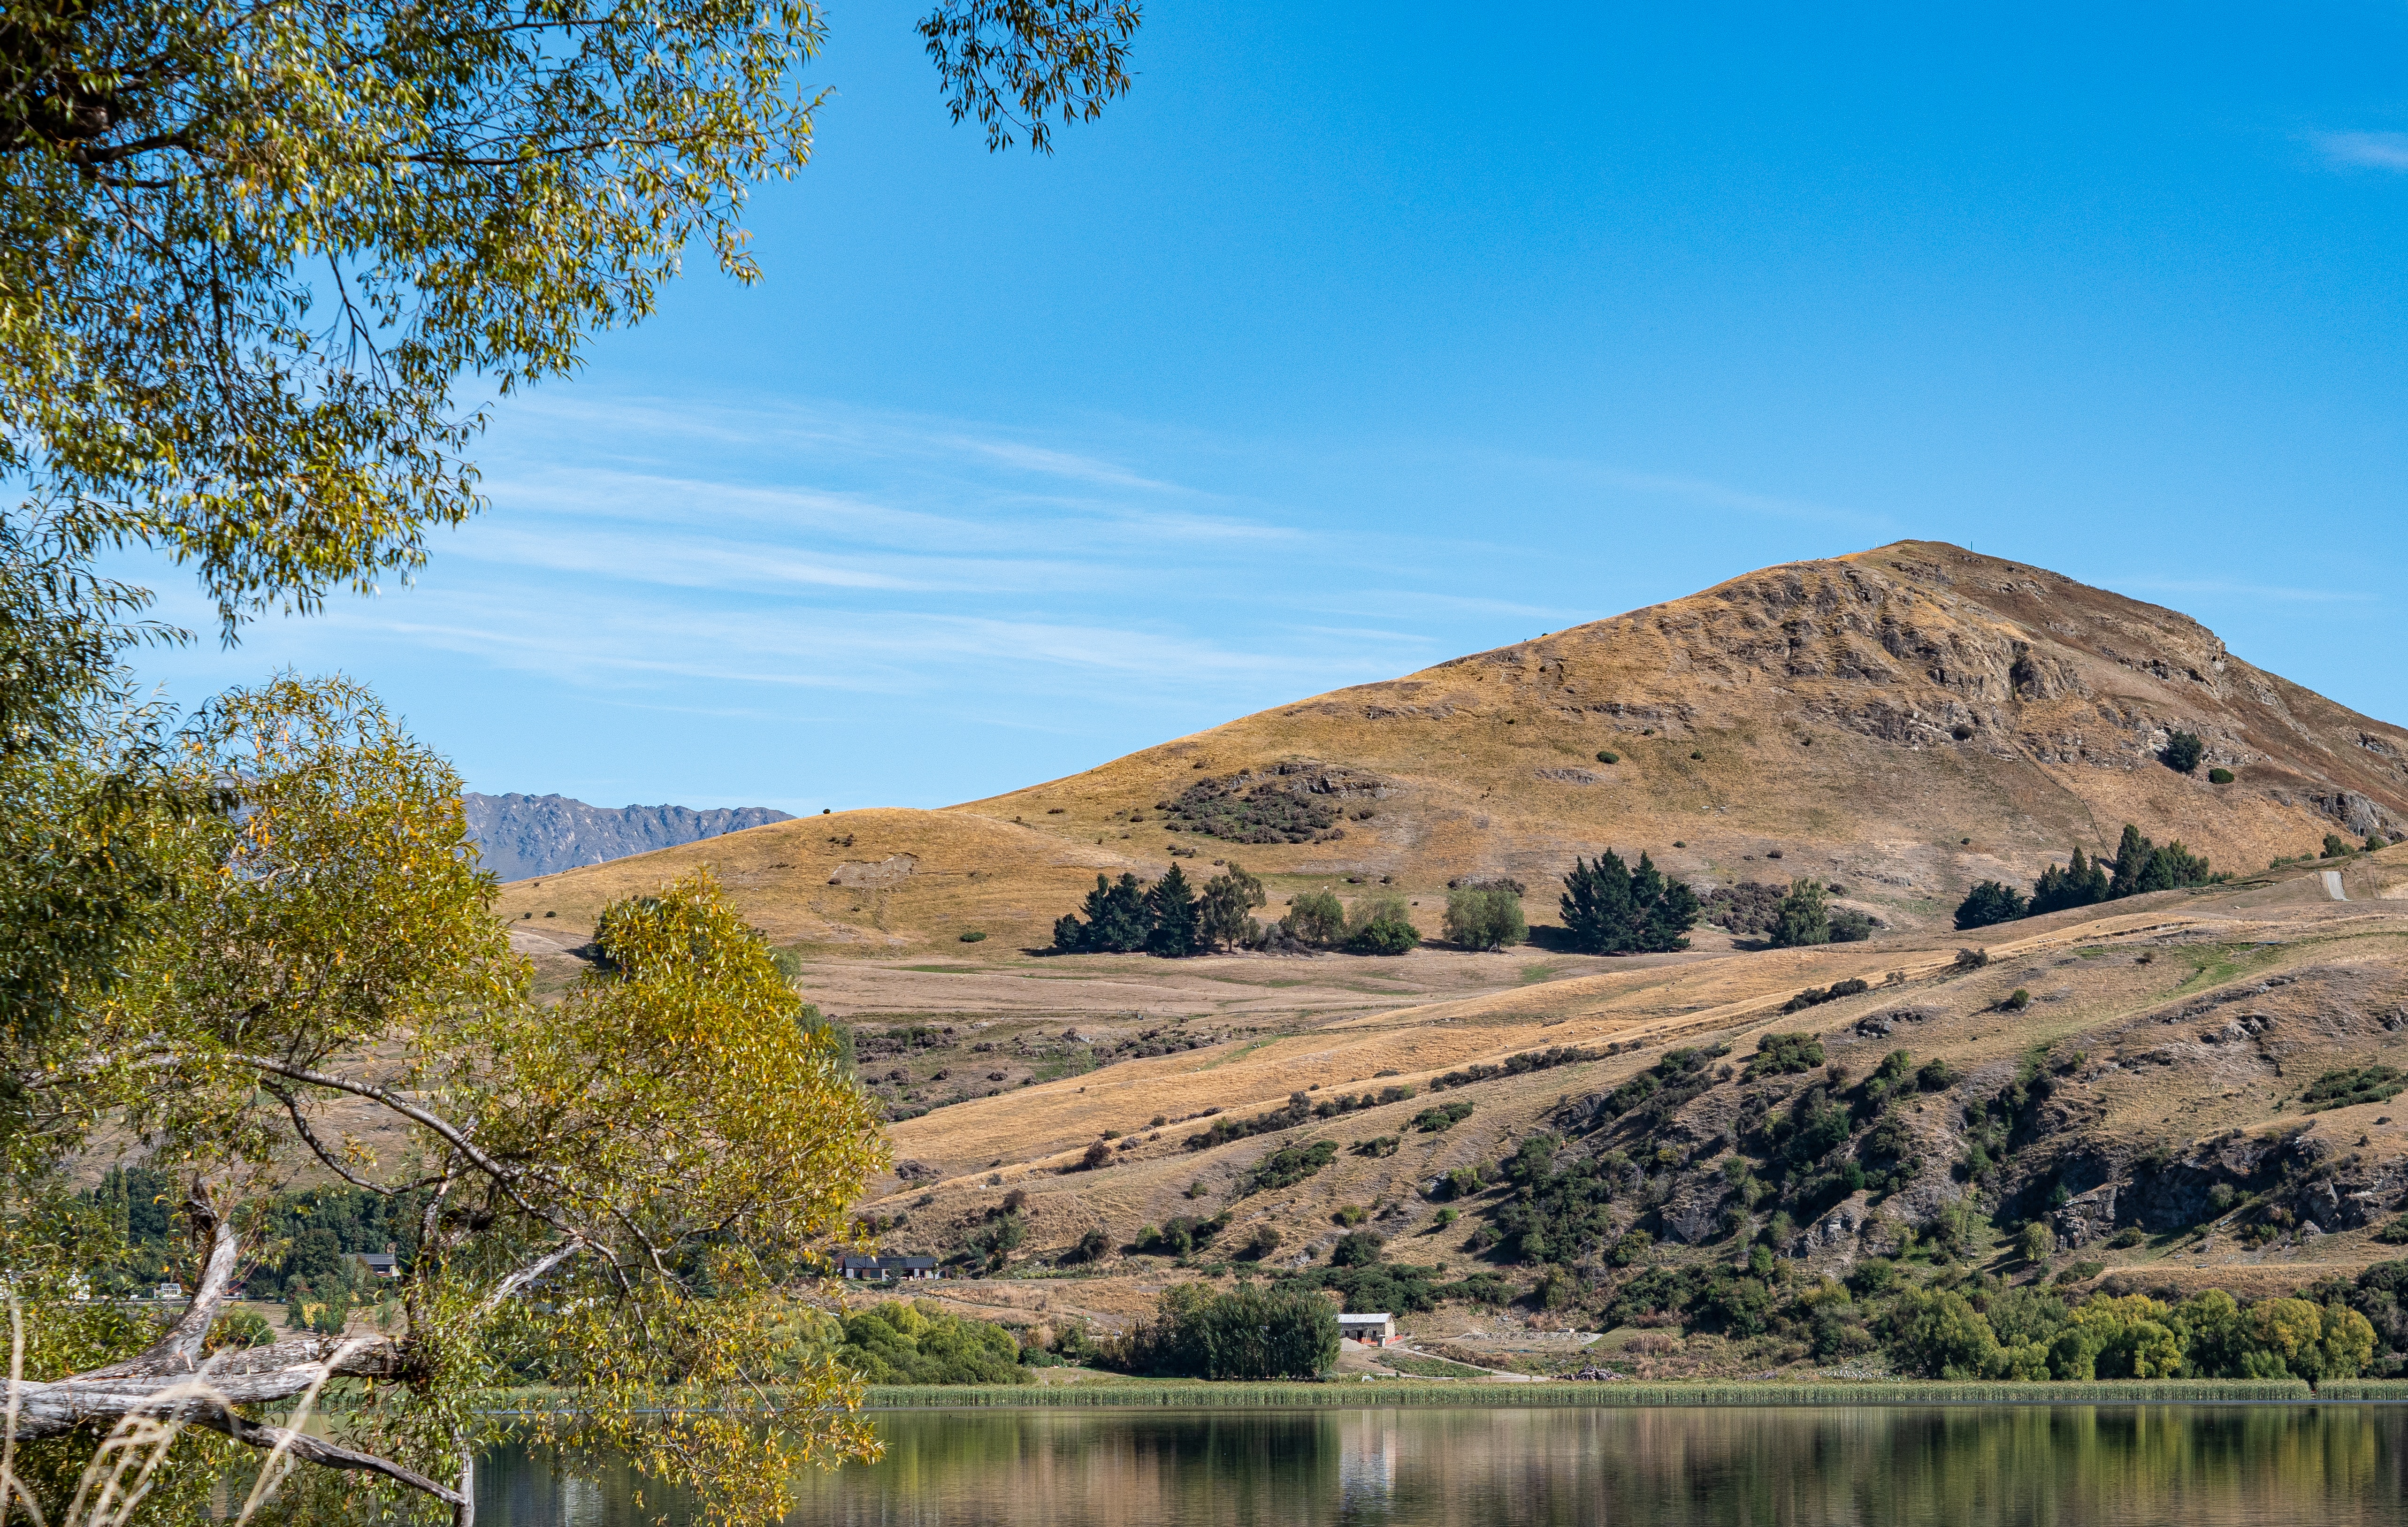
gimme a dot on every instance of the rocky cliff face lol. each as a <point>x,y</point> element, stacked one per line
<point>522,836</point>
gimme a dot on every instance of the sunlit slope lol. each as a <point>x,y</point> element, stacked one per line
<point>1811,709</point>
<point>2190,1021</point>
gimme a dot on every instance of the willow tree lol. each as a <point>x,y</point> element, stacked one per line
<point>623,1198</point>
<point>249,250</point>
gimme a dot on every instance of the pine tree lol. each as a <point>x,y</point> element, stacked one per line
<point>1171,911</point>
<point>1668,908</point>
<point>1608,908</point>
<point>1988,903</point>
<point>1597,904</point>
<point>1116,921</point>
<point>2082,883</point>
<point>2131,861</point>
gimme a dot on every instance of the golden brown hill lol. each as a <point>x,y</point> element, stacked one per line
<point>1906,720</point>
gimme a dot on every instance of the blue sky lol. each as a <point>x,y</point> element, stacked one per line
<point>1359,337</point>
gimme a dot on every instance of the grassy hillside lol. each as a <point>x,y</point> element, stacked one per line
<point>2136,1078</point>
<point>1811,712</point>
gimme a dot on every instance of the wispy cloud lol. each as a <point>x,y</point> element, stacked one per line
<point>2363,150</point>
<point>2239,590</point>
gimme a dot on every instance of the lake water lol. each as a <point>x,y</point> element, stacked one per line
<point>2077,1465</point>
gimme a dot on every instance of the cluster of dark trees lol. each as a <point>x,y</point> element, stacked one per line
<point>1610,909</point>
<point>2138,867</point>
<point>1167,917</point>
<point>1171,919</point>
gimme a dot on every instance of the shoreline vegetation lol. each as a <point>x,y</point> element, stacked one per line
<point>1344,1394</point>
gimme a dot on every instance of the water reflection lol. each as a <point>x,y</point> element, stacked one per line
<point>2330,1466</point>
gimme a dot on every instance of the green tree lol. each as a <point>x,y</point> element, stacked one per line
<point>1485,919</point>
<point>1382,926</point>
<point>1251,1331</point>
<point>664,1152</point>
<point>1317,917</point>
<point>2082,882</point>
<point>1805,917</point>
<point>1173,918</point>
<point>1938,1334</point>
<point>2183,749</point>
<point>2038,1242</point>
<point>917,1342</point>
<point>1116,919</point>
<point>1986,903</point>
<point>1228,897</point>
<point>1610,909</point>
<point>251,251</point>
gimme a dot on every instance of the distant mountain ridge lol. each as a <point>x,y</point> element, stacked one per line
<point>522,836</point>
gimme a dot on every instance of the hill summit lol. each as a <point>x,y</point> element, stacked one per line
<point>1905,720</point>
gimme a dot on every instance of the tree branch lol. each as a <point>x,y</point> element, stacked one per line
<point>180,1350</point>
<point>313,1449</point>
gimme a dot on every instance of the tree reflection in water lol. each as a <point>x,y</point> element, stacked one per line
<point>2093,1467</point>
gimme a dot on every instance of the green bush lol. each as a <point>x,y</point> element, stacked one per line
<point>1248,1332</point>
<point>1783,1054</point>
<point>1608,758</point>
<point>1850,926</point>
<point>2017,1001</point>
<point>2183,751</point>
<point>2336,845</point>
<point>1288,1167</point>
<point>916,1342</point>
<point>1382,926</point>
<point>2219,776</point>
<point>1485,919</point>
<point>1439,1119</point>
<point>2354,1084</point>
<point>973,937</point>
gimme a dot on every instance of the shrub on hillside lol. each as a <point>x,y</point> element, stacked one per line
<point>2354,1084</point>
<point>1243,811</point>
<point>1485,919</point>
<point>1749,910</point>
<point>2184,751</point>
<point>2219,776</point>
<point>1850,926</point>
<point>1784,1055</point>
<point>1382,926</point>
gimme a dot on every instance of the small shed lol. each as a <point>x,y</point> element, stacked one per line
<point>889,1269</point>
<point>1378,1329</point>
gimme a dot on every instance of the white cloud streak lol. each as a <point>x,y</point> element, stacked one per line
<point>2363,150</point>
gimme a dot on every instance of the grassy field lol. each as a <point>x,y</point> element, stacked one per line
<point>1405,1392</point>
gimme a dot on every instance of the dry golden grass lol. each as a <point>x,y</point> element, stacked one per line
<point>1818,700</point>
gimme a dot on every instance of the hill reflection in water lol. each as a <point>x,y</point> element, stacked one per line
<point>2238,1467</point>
